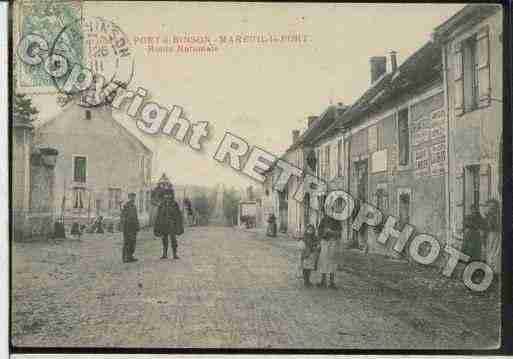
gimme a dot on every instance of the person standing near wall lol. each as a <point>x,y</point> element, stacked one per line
<point>492,243</point>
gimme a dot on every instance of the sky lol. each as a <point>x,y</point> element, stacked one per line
<point>258,92</point>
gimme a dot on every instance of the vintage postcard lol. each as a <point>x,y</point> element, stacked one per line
<point>244,175</point>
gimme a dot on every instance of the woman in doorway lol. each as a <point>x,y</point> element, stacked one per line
<point>474,227</point>
<point>329,234</point>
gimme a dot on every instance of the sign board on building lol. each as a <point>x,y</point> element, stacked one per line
<point>438,126</point>
<point>438,143</point>
<point>393,159</point>
<point>422,162</point>
<point>379,161</point>
<point>421,131</point>
<point>438,159</point>
<point>429,141</point>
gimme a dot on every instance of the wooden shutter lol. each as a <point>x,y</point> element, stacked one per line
<point>459,199</point>
<point>458,79</point>
<point>334,160</point>
<point>483,67</point>
<point>484,184</point>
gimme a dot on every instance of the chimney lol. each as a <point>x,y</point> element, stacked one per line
<point>295,135</point>
<point>378,67</point>
<point>311,120</point>
<point>393,60</point>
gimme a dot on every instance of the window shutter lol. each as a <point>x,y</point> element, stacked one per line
<point>458,79</point>
<point>484,184</point>
<point>334,160</point>
<point>459,200</point>
<point>483,67</point>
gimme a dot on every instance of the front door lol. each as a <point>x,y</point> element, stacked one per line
<point>361,174</point>
<point>283,206</point>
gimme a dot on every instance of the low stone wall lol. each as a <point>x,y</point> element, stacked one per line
<point>32,226</point>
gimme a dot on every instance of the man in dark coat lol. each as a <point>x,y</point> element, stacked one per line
<point>130,227</point>
<point>169,223</point>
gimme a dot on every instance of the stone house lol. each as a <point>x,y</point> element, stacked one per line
<point>471,44</point>
<point>395,140</point>
<point>99,163</point>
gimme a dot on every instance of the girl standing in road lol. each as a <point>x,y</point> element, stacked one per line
<point>329,232</point>
<point>309,254</point>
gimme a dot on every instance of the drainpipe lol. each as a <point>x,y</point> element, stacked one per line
<point>448,136</point>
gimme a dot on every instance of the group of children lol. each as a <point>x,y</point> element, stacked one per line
<point>319,251</point>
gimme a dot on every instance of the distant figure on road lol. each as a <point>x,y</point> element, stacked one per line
<point>271,226</point>
<point>169,223</point>
<point>130,227</point>
<point>329,232</point>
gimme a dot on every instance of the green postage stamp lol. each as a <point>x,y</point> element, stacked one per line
<point>47,18</point>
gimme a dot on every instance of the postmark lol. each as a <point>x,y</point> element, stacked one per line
<point>107,57</point>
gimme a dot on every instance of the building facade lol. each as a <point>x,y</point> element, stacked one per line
<point>472,51</point>
<point>99,163</point>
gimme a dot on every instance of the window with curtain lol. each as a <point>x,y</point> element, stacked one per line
<point>470,83</point>
<point>471,68</point>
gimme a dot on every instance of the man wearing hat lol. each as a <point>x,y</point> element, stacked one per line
<point>130,227</point>
<point>169,223</point>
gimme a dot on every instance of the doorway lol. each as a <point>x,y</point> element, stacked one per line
<point>362,180</point>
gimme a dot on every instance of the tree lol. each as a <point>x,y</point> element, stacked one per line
<point>231,206</point>
<point>201,206</point>
<point>23,109</point>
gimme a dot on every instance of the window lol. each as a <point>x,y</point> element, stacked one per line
<point>379,136</point>
<point>470,84</point>
<point>381,197</point>
<point>472,72</point>
<point>148,200</point>
<point>318,163</point>
<point>142,168</point>
<point>404,137</point>
<point>340,159</point>
<point>471,188</point>
<point>114,198</point>
<point>87,114</point>
<point>326,162</point>
<point>141,201</point>
<point>78,197</point>
<point>79,169</point>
